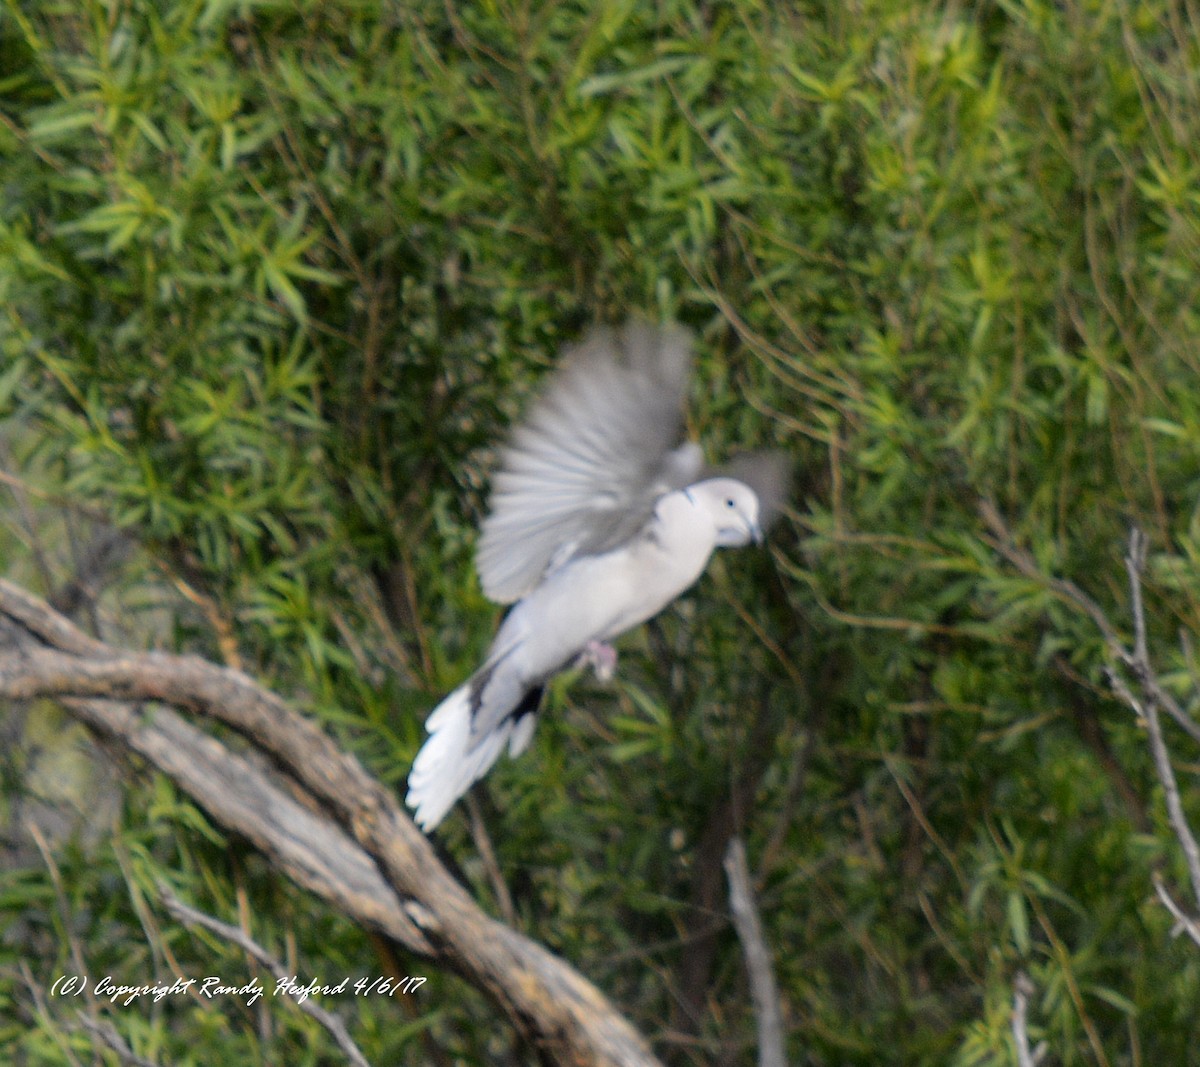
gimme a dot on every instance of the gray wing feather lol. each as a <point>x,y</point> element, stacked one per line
<point>581,474</point>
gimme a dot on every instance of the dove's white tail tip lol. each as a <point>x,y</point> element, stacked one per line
<point>439,774</point>
<point>449,763</point>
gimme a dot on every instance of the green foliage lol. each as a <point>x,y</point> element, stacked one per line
<point>275,277</point>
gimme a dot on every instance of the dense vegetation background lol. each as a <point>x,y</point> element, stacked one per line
<point>274,278</point>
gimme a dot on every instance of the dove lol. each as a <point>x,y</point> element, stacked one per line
<point>598,519</point>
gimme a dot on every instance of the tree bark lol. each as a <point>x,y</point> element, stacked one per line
<point>313,811</point>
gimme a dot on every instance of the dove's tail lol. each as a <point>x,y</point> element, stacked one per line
<point>451,760</point>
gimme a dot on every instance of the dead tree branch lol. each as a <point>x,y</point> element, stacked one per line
<point>1146,696</point>
<point>346,838</point>
<point>1022,990</point>
<point>763,988</point>
<point>1024,562</point>
<point>1147,707</point>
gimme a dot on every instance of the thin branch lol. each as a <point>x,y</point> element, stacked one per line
<point>1148,709</point>
<point>1135,564</point>
<point>1184,923</point>
<point>1022,990</point>
<point>189,916</point>
<point>483,845</point>
<point>60,895</point>
<point>1150,695</point>
<point>43,1012</point>
<point>758,957</point>
<point>1003,542</point>
<point>107,1033</point>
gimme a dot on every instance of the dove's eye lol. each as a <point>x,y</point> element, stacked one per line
<point>729,503</point>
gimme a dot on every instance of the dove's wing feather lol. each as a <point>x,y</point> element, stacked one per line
<point>582,473</point>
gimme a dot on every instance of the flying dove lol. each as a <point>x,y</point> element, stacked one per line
<point>598,519</point>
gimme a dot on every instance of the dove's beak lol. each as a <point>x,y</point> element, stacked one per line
<point>756,533</point>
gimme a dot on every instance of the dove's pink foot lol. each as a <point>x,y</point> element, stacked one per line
<point>601,657</point>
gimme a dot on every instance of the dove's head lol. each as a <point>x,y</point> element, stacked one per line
<point>733,507</point>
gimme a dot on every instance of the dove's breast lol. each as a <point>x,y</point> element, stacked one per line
<point>599,597</point>
<point>663,562</point>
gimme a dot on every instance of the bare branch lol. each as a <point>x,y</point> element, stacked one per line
<point>1135,563</point>
<point>1022,990</point>
<point>1003,542</point>
<point>1148,709</point>
<point>1184,923</point>
<point>1150,695</point>
<point>191,917</point>
<point>483,845</point>
<point>39,1002</point>
<point>107,1033</point>
<point>323,820</point>
<point>60,894</point>
<point>758,957</point>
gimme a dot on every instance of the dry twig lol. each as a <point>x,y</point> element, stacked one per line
<point>107,1033</point>
<point>758,957</point>
<point>1147,709</point>
<point>1003,542</point>
<point>1022,991</point>
<point>191,917</point>
<point>1145,697</point>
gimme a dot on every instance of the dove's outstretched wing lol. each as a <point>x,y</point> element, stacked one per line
<point>583,471</point>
